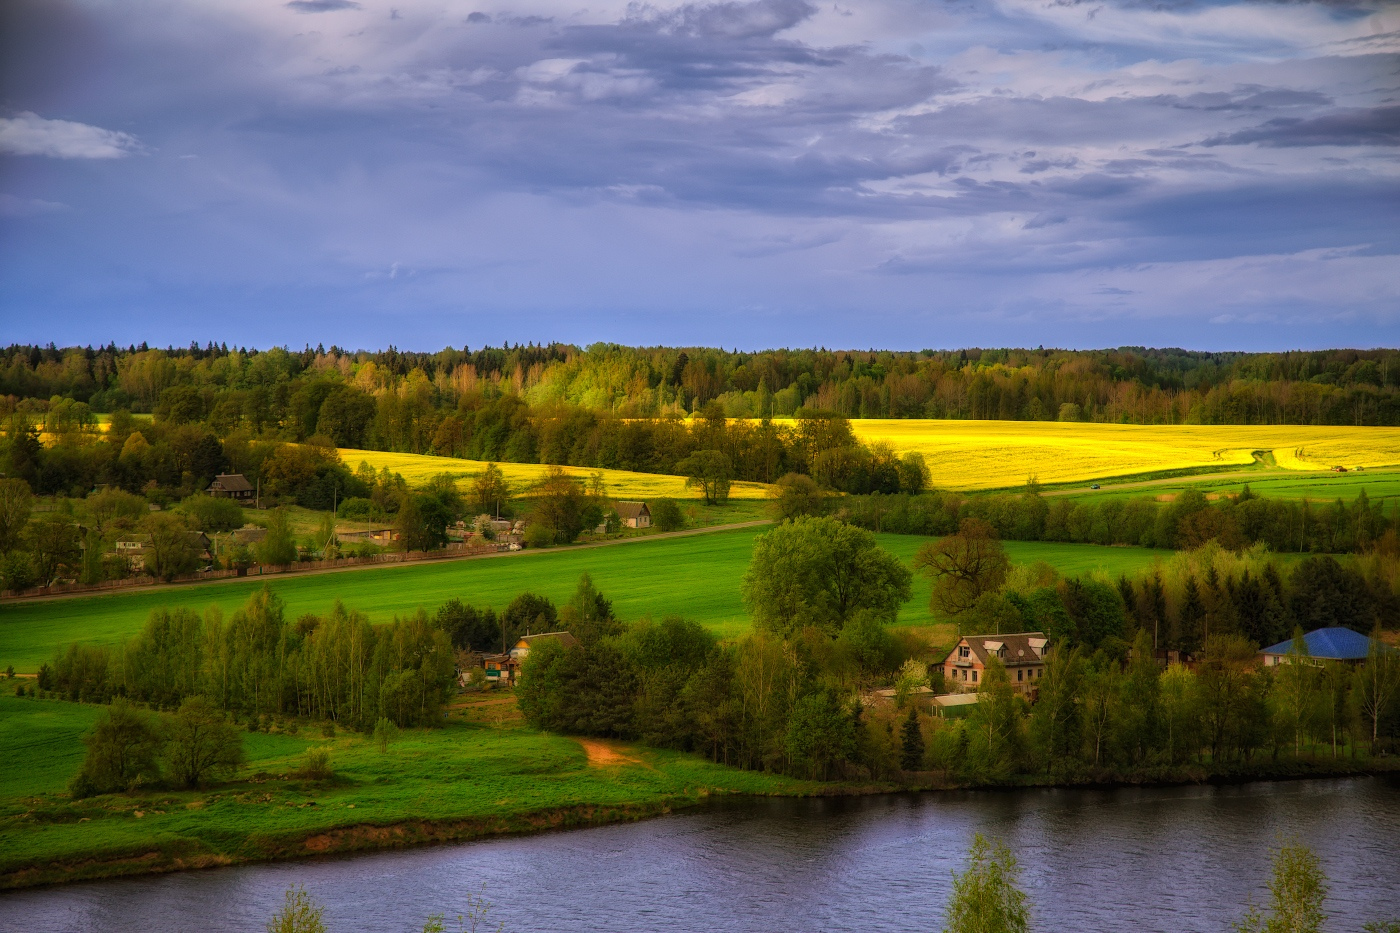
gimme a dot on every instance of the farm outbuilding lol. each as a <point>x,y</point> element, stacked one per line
<point>1324,644</point>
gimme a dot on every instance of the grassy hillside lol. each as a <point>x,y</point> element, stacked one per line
<point>996,454</point>
<point>697,576</point>
<point>481,773</point>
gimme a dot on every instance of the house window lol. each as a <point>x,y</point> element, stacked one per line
<point>974,677</point>
<point>964,651</point>
<point>1020,675</point>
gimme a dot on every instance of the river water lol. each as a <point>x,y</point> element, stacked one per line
<point>1144,859</point>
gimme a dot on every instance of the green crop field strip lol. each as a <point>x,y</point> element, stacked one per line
<point>697,577</point>
<point>1380,485</point>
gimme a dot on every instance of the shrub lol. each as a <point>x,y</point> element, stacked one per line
<point>666,515</point>
<point>211,513</point>
<point>317,765</point>
<point>121,752</point>
<point>385,732</point>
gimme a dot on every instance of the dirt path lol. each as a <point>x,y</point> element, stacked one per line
<point>605,754</point>
<point>270,577</point>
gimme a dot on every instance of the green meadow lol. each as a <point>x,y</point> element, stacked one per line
<point>468,778</point>
<point>697,576</point>
<point>1381,485</point>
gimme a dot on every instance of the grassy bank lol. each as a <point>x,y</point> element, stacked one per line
<point>481,774</point>
<point>698,577</point>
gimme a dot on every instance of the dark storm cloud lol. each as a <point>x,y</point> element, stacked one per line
<point>1377,126</point>
<point>542,156</point>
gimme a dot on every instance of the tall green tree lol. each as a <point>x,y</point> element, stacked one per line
<point>16,502</point>
<point>987,897</point>
<point>963,566</point>
<point>278,546</point>
<point>911,742</point>
<point>821,572</point>
<point>711,472</point>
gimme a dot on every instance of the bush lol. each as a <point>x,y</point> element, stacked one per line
<point>359,509</point>
<point>538,536</point>
<point>385,733</point>
<point>666,515</point>
<point>317,765</point>
<point>121,752</point>
<point>202,743</point>
<point>211,513</point>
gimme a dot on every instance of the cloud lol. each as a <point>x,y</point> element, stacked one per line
<point>11,206</point>
<point>322,6</point>
<point>29,134</point>
<point>1377,126</point>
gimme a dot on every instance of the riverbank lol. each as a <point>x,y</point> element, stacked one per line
<point>482,774</point>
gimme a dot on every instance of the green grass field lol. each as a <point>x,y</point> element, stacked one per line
<point>493,779</point>
<point>698,577</point>
<point>1380,485</point>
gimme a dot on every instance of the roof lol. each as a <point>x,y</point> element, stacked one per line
<point>956,699</point>
<point>564,638</point>
<point>631,510</point>
<point>1334,644</point>
<point>231,482</point>
<point>1021,648</point>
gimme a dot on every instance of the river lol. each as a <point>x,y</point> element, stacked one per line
<point>1141,859</point>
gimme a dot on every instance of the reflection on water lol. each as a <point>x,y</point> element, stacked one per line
<point>1164,859</point>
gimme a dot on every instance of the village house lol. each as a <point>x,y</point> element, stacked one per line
<point>1022,654</point>
<point>233,486</point>
<point>504,669</point>
<point>633,514</point>
<point>1324,644</point>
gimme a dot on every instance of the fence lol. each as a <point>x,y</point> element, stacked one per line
<point>453,550</point>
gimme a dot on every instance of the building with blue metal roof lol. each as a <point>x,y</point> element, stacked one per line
<point>1325,644</point>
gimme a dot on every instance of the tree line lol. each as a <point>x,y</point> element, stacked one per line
<point>259,663</point>
<point>821,594</point>
<point>1188,521</point>
<point>1129,384</point>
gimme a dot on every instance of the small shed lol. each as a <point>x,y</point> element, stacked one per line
<point>954,705</point>
<point>1324,644</point>
<point>634,514</point>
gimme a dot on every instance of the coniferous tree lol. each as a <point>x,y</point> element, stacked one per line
<point>911,744</point>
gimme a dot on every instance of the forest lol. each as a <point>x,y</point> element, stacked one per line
<point>397,400</point>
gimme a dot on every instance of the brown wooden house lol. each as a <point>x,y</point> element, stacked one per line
<point>232,486</point>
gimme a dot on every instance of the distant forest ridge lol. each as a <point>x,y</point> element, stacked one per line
<point>1131,385</point>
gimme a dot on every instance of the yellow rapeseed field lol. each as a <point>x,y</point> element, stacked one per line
<point>997,454</point>
<point>620,484</point>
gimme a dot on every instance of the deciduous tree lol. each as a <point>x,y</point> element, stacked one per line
<point>963,566</point>
<point>987,897</point>
<point>202,743</point>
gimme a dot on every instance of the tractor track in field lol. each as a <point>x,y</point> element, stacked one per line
<point>157,587</point>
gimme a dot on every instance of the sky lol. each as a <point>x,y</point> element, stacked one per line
<point>902,174</point>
